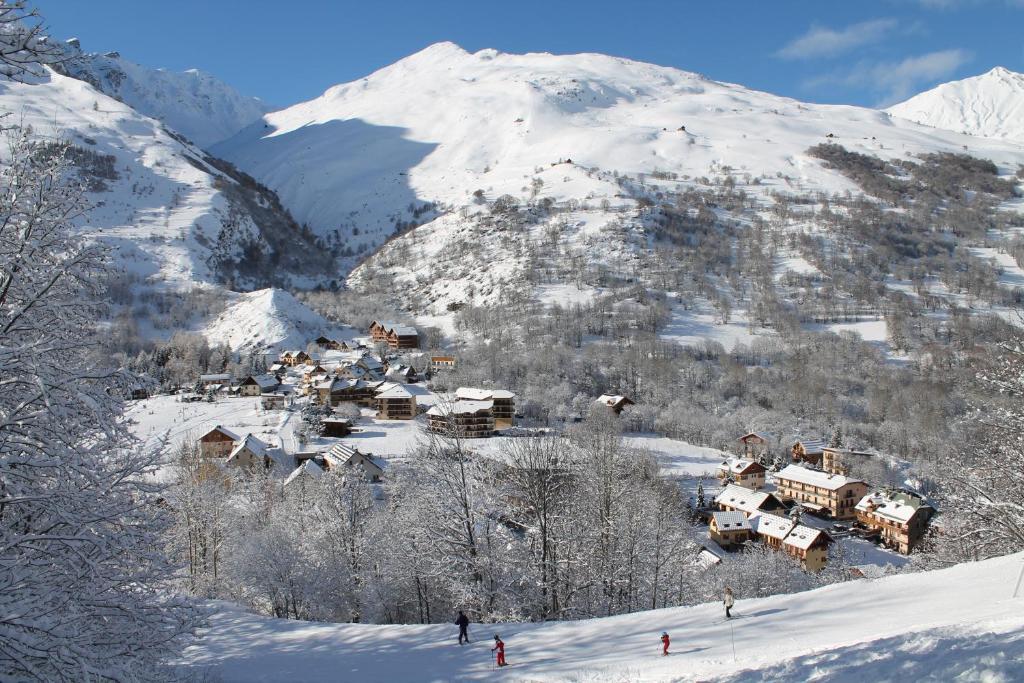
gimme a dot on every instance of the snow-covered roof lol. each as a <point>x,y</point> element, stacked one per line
<point>824,480</point>
<point>254,445</point>
<point>731,521</point>
<point>773,526</point>
<point>766,436</point>
<point>899,507</point>
<point>803,537</point>
<point>309,468</point>
<point>217,377</point>
<point>812,446</point>
<point>340,454</point>
<point>474,394</point>
<point>611,400</point>
<point>461,408</point>
<point>739,465</point>
<point>742,499</point>
<point>223,430</point>
<point>263,381</point>
<point>393,391</point>
<point>403,331</point>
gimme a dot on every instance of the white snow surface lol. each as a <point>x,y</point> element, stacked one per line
<point>273,319</point>
<point>961,623</point>
<point>163,212</point>
<point>198,105</point>
<point>990,105</point>
<point>443,123</point>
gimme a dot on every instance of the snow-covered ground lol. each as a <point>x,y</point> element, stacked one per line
<point>678,458</point>
<point>702,323</point>
<point>961,623</point>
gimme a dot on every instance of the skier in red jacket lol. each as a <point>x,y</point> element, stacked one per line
<point>664,644</point>
<point>500,647</point>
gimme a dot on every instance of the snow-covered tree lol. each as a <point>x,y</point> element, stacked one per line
<point>84,582</point>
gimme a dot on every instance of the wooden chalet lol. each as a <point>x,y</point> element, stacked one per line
<point>614,402</point>
<point>250,452</point>
<point>344,458</point>
<point>743,472</point>
<point>217,443</point>
<point>442,363</point>
<point>809,451</point>
<point>900,517</point>
<point>257,385</point>
<point>820,492</point>
<point>808,546</point>
<point>838,460</point>
<point>756,444</point>
<point>215,380</point>
<point>395,335</point>
<point>337,427</point>
<point>293,358</point>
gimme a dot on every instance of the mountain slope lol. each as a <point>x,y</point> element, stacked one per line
<point>990,105</point>
<point>199,106</point>
<point>928,626</point>
<point>444,125</point>
<point>172,214</point>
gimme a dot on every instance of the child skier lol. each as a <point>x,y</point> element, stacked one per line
<point>500,647</point>
<point>728,601</point>
<point>664,644</point>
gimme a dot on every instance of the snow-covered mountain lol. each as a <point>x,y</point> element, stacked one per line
<point>990,105</point>
<point>199,106</point>
<point>269,318</point>
<point>172,214</point>
<point>962,623</point>
<point>456,130</point>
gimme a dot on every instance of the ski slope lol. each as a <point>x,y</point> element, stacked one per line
<point>961,621</point>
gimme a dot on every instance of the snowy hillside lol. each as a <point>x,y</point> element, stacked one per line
<point>990,105</point>
<point>961,623</point>
<point>271,318</point>
<point>168,213</point>
<point>456,129</point>
<point>199,106</point>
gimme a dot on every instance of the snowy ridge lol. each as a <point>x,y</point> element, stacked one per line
<point>990,105</point>
<point>271,318</point>
<point>961,621</point>
<point>169,215</point>
<point>199,106</point>
<point>444,125</point>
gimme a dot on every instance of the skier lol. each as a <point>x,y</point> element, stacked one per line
<point>664,643</point>
<point>462,621</point>
<point>729,601</point>
<point>500,647</point>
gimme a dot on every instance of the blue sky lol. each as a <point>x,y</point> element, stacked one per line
<point>854,51</point>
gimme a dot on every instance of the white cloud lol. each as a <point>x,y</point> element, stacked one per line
<point>896,81</point>
<point>820,41</point>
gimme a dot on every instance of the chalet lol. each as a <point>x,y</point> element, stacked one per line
<point>746,473</point>
<point>395,335</point>
<point>402,373</point>
<point>442,363</point>
<point>371,366</point>
<point>503,402</point>
<point>756,444</point>
<point>772,529</point>
<point>327,344</point>
<point>217,443</point>
<point>394,402</point>
<point>838,460</point>
<point>342,457</point>
<point>735,498</point>
<point>337,427</point>
<point>465,419</point>
<point>809,546</point>
<point>900,517</point>
<point>335,391</point>
<point>257,385</point>
<point>293,358</point>
<point>821,492</point>
<point>613,401</point>
<point>809,451</point>
<point>729,529</point>
<point>250,452</point>
<point>311,371</point>
<point>214,381</point>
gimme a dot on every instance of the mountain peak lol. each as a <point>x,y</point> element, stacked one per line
<point>987,105</point>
